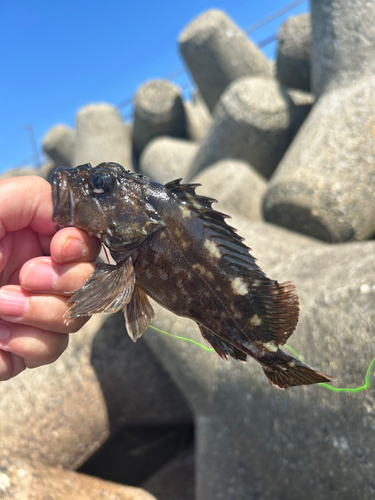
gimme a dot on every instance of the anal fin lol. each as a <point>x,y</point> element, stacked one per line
<point>223,348</point>
<point>107,291</point>
<point>138,314</point>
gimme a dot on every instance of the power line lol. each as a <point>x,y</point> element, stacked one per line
<point>273,16</point>
<point>251,29</point>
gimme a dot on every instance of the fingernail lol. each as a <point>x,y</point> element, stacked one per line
<point>40,277</point>
<point>12,303</point>
<point>71,249</point>
<point>4,334</point>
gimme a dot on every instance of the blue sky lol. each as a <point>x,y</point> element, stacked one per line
<point>56,56</point>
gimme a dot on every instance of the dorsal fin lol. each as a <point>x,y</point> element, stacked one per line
<point>234,250</point>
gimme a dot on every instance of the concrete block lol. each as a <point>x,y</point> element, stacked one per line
<point>236,185</point>
<point>167,158</point>
<point>198,118</point>
<point>31,481</point>
<point>43,171</point>
<point>252,122</point>
<point>102,136</point>
<point>175,480</point>
<point>293,52</point>
<point>217,52</point>
<point>303,103</point>
<point>58,144</point>
<point>158,110</point>
<point>325,184</point>
<point>343,42</point>
<point>60,414</point>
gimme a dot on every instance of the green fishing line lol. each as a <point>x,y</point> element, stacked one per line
<point>327,386</point>
<point>182,338</point>
<point>341,389</point>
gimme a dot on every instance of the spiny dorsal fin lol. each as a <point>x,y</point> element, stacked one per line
<point>223,234</point>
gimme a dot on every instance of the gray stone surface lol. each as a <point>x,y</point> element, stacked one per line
<point>158,110</point>
<point>303,103</point>
<point>174,481</point>
<point>255,442</point>
<point>252,122</point>
<point>217,52</point>
<point>58,144</point>
<point>293,52</point>
<point>60,414</point>
<point>325,184</point>
<point>198,118</point>
<point>22,480</point>
<point>167,158</point>
<point>236,185</point>
<point>343,42</point>
<point>43,171</point>
<point>102,136</point>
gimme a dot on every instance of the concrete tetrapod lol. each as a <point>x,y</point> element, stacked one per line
<point>217,52</point>
<point>101,136</point>
<point>325,183</point>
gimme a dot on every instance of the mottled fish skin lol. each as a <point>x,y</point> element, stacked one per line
<point>171,245</point>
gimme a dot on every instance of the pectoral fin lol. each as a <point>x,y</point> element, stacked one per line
<point>107,290</point>
<point>138,314</point>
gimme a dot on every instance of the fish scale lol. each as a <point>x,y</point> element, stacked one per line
<point>171,245</point>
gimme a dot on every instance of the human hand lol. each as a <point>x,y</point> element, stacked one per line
<point>39,270</point>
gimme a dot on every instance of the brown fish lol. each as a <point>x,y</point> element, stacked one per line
<point>170,244</point>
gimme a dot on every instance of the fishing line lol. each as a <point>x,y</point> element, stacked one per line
<point>298,356</point>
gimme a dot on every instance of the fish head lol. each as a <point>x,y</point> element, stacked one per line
<point>106,201</point>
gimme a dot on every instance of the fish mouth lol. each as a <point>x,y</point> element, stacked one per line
<point>62,197</point>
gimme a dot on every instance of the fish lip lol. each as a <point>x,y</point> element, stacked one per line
<point>62,195</point>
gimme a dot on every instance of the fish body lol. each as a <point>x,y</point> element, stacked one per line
<point>170,244</point>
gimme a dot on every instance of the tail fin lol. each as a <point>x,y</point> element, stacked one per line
<point>283,371</point>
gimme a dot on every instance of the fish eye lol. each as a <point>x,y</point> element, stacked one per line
<point>101,181</point>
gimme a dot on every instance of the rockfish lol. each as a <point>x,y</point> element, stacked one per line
<point>170,244</point>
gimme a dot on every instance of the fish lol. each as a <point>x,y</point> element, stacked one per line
<point>171,245</point>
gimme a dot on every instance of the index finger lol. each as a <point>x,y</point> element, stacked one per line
<point>26,201</point>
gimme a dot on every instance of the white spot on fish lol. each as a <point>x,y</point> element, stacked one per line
<point>255,320</point>
<point>255,283</point>
<point>239,286</point>
<point>291,364</point>
<point>212,249</point>
<point>185,211</point>
<point>270,346</point>
<point>203,271</point>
